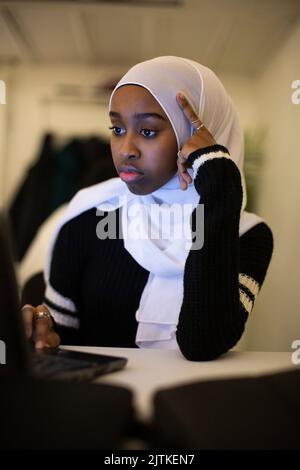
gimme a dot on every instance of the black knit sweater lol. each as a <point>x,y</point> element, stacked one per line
<point>100,284</point>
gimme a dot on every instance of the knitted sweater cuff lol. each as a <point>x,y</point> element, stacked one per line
<point>199,156</point>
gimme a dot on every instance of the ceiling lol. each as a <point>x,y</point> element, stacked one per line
<point>230,36</point>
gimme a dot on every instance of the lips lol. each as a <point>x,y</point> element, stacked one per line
<point>129,174</point>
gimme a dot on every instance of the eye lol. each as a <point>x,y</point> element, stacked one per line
<point>148,133</point>
<point>117,130</point>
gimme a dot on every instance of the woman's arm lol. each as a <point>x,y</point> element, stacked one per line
<point>222,279</point>
<point>61,295</point>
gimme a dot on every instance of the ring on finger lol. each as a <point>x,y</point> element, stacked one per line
<point>27,307</point>
<point>196,129</point>
<point>180,157</point>
<point>41,314</point>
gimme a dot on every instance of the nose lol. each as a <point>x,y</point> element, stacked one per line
<point>128,149</point>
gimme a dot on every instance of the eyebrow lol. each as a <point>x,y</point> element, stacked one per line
<point>139,115</point>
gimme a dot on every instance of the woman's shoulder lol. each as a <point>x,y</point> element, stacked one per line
<point>82,208</point>
<point>84,220</point>
<point>261,231</point>
<point>255,232</point>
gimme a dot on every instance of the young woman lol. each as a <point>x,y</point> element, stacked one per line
<point>176,144</point>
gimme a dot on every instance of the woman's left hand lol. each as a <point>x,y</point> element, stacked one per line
<point>200,139</point>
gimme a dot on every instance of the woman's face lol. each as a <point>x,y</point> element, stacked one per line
<point>143,143</point>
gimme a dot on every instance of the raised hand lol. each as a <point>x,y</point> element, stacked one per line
<point>201,138</point>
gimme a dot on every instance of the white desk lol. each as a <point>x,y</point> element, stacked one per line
<point>149,370</point>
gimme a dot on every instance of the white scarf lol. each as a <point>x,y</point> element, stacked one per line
<point>165,257</point>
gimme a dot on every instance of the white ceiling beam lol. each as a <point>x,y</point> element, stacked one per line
<point>82,37</point>
<point>18,35</point>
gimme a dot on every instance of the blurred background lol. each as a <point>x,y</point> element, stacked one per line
<point>59,61</point>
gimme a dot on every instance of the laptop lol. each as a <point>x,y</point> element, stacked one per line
<point>16,357</point>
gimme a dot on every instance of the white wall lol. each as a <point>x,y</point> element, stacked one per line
<point>33,110</point>
<point>243,91</point>
<point>4,117</point>
<point>2,138</point>
<point>275,321</point>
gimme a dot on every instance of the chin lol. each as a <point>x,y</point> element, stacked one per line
<point>139,191</point>
<point>144,189</point>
